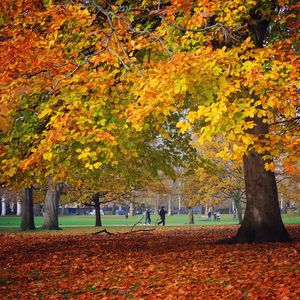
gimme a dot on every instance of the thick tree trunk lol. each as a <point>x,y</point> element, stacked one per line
<point>51,206</point>
<point>191,215</point>
<point>262,221</point>
<point>27,218</point>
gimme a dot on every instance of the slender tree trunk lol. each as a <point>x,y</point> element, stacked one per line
<point>132,209</point>
<point>3,206</point>
<point>206,209</point>
<point>62,213</point>
<point>238,207</point>
<point>27,218</point>
<point>19,208</point>
<point>157,203</point>
<point>191,215</point>
<point>170,205</point>
<point>114,209</point>
<point>51,206</point>
<point>98,212</point>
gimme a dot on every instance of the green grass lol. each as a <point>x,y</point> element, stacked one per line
<point>10,222</point>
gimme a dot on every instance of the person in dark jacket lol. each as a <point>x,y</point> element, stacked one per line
<point>147,217</point>
<point>162,215</point>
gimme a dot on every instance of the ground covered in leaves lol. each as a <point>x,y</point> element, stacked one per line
<point>179,263</point>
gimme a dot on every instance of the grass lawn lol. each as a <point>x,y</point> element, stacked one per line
<point>8,223</point>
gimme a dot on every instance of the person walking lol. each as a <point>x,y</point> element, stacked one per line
<point>234,215</point>
<point>147,217</point>
<point>162,215</point>
<point>218,216</point>
<point>209,216</point>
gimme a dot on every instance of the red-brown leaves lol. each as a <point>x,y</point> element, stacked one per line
<point>181,263</point>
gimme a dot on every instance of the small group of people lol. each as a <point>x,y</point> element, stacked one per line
<point>217,216</point>
<point>162,215</point>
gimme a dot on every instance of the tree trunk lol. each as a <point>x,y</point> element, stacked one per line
<point>3,206</point>
<point>191,215</point>
<point>27,219</point>
<point>19,208</point>
<point>170,205</point>
<point>98,212</point>
<point>206,209</point>
<point>157,203</point>
<point>238,207</point>
<point>114,208</point>
<point>262,221</point>
<point>51,206</point>
<point>62,212</point>
<point>132,209</point>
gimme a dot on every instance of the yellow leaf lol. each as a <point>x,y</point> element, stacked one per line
<point>183,126</point>
<point>45,112</point>
<point>12,172</point>
<point>270,166</point>
<point>47,156</point>
<point>97,165</point>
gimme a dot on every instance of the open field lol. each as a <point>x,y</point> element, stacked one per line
<point>110,220</point>
<point>168,263</point>
<point>13,222</point>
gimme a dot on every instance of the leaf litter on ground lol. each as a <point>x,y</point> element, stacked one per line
<point>166,263</point>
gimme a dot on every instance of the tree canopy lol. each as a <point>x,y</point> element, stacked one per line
<point>91,85</point>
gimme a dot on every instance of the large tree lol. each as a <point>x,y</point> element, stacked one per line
<point>232,66</point>
<point>63,108</point>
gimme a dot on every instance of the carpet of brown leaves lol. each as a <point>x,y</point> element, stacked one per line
<point>162,264</point>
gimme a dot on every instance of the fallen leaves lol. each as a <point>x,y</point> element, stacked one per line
<point>163,264</point>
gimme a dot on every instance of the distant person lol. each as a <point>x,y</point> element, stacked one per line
<point>162,215</point>
<point>147,217</point>
<point>215,216</point>
<point>234,215</point>
<point>209,216</point>
<point>218,216</point>
<point>126,215</point>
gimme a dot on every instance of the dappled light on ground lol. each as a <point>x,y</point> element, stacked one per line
<point>162,264</point>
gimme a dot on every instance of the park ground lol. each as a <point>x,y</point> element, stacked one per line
<point>12,223</point>
<point>175,262</point>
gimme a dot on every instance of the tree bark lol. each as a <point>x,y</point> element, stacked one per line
<point>51,206</point>
<point>238,207</point>
<point>27,218</point>
<point>170,200</point>
<point>98,212</point>
<point>3,206</point>
<point>132,209</point>
<point>191,215</point>
<point>62,213</point>
<point>262,221</point>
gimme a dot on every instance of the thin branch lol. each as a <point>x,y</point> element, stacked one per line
<point>290,121</point>
<point>138,222</point>
<point>139,230</point>
<point>104,231</point>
